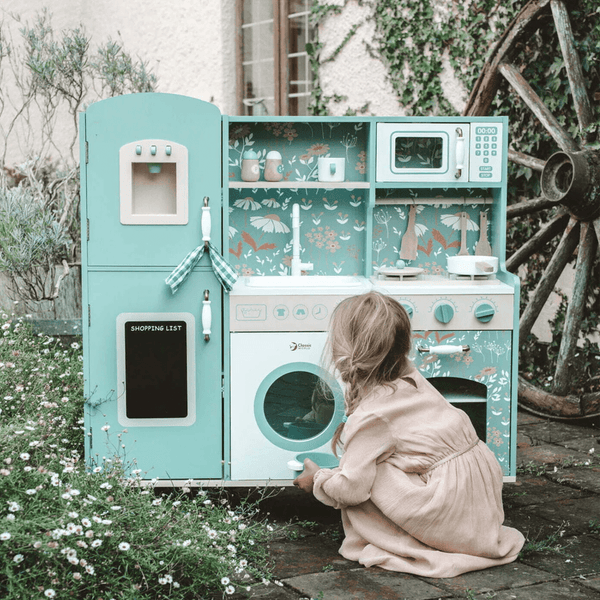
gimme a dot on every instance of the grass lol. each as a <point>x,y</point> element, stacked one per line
<point>68,533</point>
<point>551,544</point>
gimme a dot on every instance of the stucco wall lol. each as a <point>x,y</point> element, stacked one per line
<point>357,74</point>
<point>188,44</point>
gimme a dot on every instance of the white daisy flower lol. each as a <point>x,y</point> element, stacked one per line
<point>269,224</point>
<point>124,546</point>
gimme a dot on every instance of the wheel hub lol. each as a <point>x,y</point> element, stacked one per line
<point>573,180</point>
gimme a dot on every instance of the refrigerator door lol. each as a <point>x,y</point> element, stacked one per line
<point>151,159</point>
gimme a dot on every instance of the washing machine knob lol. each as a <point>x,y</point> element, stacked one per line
<point>408,308</point>
<point>444,312</point>
<point>484,312</point>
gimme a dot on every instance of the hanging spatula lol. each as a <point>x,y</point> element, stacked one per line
<point>483,247</point>
<point>408,247</point>
<point>463,235</point>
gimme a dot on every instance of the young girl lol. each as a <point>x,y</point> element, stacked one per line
<point>418,491</point>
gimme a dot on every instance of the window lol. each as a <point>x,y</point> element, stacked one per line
<point>274,75</point>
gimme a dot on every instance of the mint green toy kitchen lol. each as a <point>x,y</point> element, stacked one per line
<point>214,249</point>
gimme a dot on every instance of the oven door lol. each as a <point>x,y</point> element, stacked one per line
<point>431,152</point>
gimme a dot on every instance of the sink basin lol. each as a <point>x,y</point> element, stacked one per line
<point>304,281</point>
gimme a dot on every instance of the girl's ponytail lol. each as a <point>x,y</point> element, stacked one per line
<point>368,346</point>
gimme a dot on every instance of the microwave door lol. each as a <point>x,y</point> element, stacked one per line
<point>420,153</point>
<point>423,152</point>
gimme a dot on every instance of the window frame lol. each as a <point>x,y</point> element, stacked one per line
<point>281,58</point>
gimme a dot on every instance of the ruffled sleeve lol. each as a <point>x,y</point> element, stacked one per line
<point>368,441</point>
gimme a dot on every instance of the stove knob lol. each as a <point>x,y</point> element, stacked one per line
<point>444,312</point>
<point>485,312</point>
<point>409,309</point>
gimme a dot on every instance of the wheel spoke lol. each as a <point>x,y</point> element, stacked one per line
<point>528,207</point>
<point>527,161</point>
<point>539,109</point>
<point>547,402</point>
<point>597,229</point>
<point>583,270</point>
<point>544,235</point>
<point>486,86</point>
<point>572,63</point>
<point>555,267</point>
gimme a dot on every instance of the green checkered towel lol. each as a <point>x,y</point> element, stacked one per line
<point>223,270</point>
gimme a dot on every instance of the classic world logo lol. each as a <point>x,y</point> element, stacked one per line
<point>295,346</point>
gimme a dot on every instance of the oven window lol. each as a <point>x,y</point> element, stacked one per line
<point>418,152</point>
<point>299,405</point>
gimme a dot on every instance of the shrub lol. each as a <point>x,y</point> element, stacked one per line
<point>68,532</point>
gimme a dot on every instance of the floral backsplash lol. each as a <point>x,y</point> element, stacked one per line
<point>437,228</point>
<point>332,230</point>
<point>300,145</point>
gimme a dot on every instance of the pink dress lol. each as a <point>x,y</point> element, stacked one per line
<point>418,491</point>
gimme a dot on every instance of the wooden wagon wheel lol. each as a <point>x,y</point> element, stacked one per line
<point>570,182</point>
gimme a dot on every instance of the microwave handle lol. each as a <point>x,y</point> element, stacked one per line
<point>460,153</point>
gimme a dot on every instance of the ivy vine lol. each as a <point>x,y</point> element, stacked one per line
<point>416,39</point>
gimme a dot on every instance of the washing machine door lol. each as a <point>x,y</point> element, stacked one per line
<point>295,406</point>
<point>285,404</point>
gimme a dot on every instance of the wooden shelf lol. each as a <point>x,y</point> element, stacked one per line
<point>343,185</point>
<point>463,201</point>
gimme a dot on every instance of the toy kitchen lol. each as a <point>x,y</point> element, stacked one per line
<point>214,249</point>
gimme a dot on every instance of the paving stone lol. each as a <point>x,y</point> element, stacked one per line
<point>533,526</point>
<point>365,584</point>
<point>591,582</point>
<point>547,591</point>
<point>536,490</point>
<point>525,418</point>
<point>547,454</point>
<point>308,555</point>
<point>513,575</point>
<point>583,478</point>
<point>554,432</point>
<point>581,557</point>
<point>270,592</point>
<point>585,444</point>
<point>574,513</point>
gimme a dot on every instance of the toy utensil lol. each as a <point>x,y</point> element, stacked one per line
<point>483,247</point>
<point>463,235</point>
<point>408,248</point>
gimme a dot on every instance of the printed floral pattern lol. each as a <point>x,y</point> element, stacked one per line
<point>300,145</point>
<point>437,228</point>
<point>261,238</point>
<point>488,362</point>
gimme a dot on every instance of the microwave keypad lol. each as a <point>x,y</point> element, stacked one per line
<point>486,152</point>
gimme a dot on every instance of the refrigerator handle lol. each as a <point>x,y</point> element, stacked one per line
<point>206,317</point>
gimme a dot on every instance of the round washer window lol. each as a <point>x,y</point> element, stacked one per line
<point>299,406</point>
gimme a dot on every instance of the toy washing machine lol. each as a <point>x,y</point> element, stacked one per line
<point>283,402</point>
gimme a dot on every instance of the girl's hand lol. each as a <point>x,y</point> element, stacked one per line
<point>304,481</point>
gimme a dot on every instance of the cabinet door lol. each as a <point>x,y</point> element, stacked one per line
<point>150,161</point>
<point>477,381</point>
<point>152,377</point>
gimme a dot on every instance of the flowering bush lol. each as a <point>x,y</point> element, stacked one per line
<point>65,532</point>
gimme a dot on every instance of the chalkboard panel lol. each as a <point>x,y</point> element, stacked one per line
<point>156,381</point>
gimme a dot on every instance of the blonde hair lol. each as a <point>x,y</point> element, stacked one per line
<point>368,346</point>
